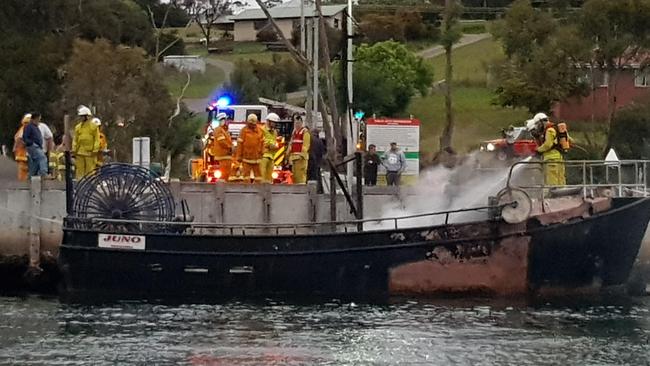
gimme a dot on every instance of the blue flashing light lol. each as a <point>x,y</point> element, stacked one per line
<point>359,114</point>
<point>224,101</point>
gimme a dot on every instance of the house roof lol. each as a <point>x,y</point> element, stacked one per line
<point>288,10</point>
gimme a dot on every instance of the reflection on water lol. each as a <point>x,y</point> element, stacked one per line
<point>469,332</point>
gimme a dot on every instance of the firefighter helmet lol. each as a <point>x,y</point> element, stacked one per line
<point>252,118</point>
<point>84,111</point>
<point>221,116</point>
<point>97,122</point>
<point>26,118</point>
<point>272,117</point>
<point>540,117</point>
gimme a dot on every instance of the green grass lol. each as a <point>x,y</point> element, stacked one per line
<point>201,85</point>
<point>470,62</point>
<point>476,118</point>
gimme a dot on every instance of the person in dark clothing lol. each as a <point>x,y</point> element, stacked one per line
<point>370,164</point>
<point>316,153</point>
<point>33,140</point>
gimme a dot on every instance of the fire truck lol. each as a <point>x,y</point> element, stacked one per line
<point>206,169</point>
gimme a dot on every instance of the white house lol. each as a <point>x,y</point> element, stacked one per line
<point>250,21</point>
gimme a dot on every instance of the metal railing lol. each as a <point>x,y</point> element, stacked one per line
<point>622,178</point>
<point>131,226</point>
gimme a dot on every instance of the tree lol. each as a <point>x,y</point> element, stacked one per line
<point>619,33</point>
<point>450,35</point>
<point>165,14</point>
<point>125,90</point>
<point>387,75</point>
<point>630,133</point>
<point>206,13</point>
<point>541,60</point>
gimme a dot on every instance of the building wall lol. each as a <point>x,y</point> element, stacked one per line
<point>245,31</point>
<point>580,109</point>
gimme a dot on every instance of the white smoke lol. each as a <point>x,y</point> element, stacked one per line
<point>443,189</point>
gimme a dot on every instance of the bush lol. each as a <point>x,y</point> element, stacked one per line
<point>630,134</point>
<point>379,28</point>
<point>177,49</point>
<point>267,35</point>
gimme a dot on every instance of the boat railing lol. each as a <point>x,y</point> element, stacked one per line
<point>592,177</point>
<point>119,225</point>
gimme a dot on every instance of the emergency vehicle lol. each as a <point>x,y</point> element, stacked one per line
<point>206,169</point>
<point>516,143</point>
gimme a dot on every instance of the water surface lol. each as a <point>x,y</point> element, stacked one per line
<point>615,331</point>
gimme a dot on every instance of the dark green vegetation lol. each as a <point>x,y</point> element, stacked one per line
<point>57,54</point>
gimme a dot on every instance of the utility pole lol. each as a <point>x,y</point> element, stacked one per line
<point>353,127</point>
<point>309,53</point>
<point>315,75</point>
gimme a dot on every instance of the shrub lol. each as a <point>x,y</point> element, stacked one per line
<point>267,35</point>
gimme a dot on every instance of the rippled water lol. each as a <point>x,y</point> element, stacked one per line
<point>616,331</point>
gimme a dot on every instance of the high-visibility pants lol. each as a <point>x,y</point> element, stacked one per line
<point>246,171</point>
<point>554,173</point>
<point>23,171</point>
<point>84,165</point>
<point>299,170</point>
<point>266,166</point>
<point>224,166</point>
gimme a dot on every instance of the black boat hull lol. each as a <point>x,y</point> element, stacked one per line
<point>487,257</point>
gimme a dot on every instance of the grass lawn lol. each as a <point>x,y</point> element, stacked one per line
<point>470,62</point>
<point>201,85</point>
<point>476,118</point>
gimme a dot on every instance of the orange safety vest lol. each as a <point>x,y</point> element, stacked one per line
<point>221,147</point>
<point>20,152</point>
<point>297,140</point>
<point>250,145</point>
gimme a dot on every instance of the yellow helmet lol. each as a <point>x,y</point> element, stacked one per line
<point>252,118</point>
<point>26,119</point>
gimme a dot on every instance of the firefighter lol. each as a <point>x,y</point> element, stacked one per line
<point>250,147</point>
<point>299,151</point>
<point>20,151</point>
<point>103,144</point>
<point>221,146</point>
<point>85,144</point>
<point>546,135</point>
<point>271,147</point>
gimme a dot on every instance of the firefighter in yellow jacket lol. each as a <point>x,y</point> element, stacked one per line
<point>103,143</point>
<point>85,144</point>
<point>270,147</point>
<point>250,147</point>
<point>221,146</point>
<point>20,152</point>
<point>299,151</point>
<point>549,147</point>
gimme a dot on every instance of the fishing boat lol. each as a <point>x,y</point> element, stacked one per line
<point>123,240</point>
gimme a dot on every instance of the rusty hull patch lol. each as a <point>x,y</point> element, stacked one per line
<point>499,269</point>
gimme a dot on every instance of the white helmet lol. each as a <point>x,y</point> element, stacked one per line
<point>272,117</point>
<point>540,117</point>
<point>221,116</point>
<point>531,125</point>
<point>97,122</point>
<point>84,111</point>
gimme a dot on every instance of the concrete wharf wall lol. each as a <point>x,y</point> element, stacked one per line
<point>31,213</point>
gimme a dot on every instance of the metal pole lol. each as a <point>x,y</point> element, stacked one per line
<point>302,27</point>
<point>358,162</point>
<point>315,63</point>
<point>67,156</point>
<point>308,101</point>
<point>352,135</point>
